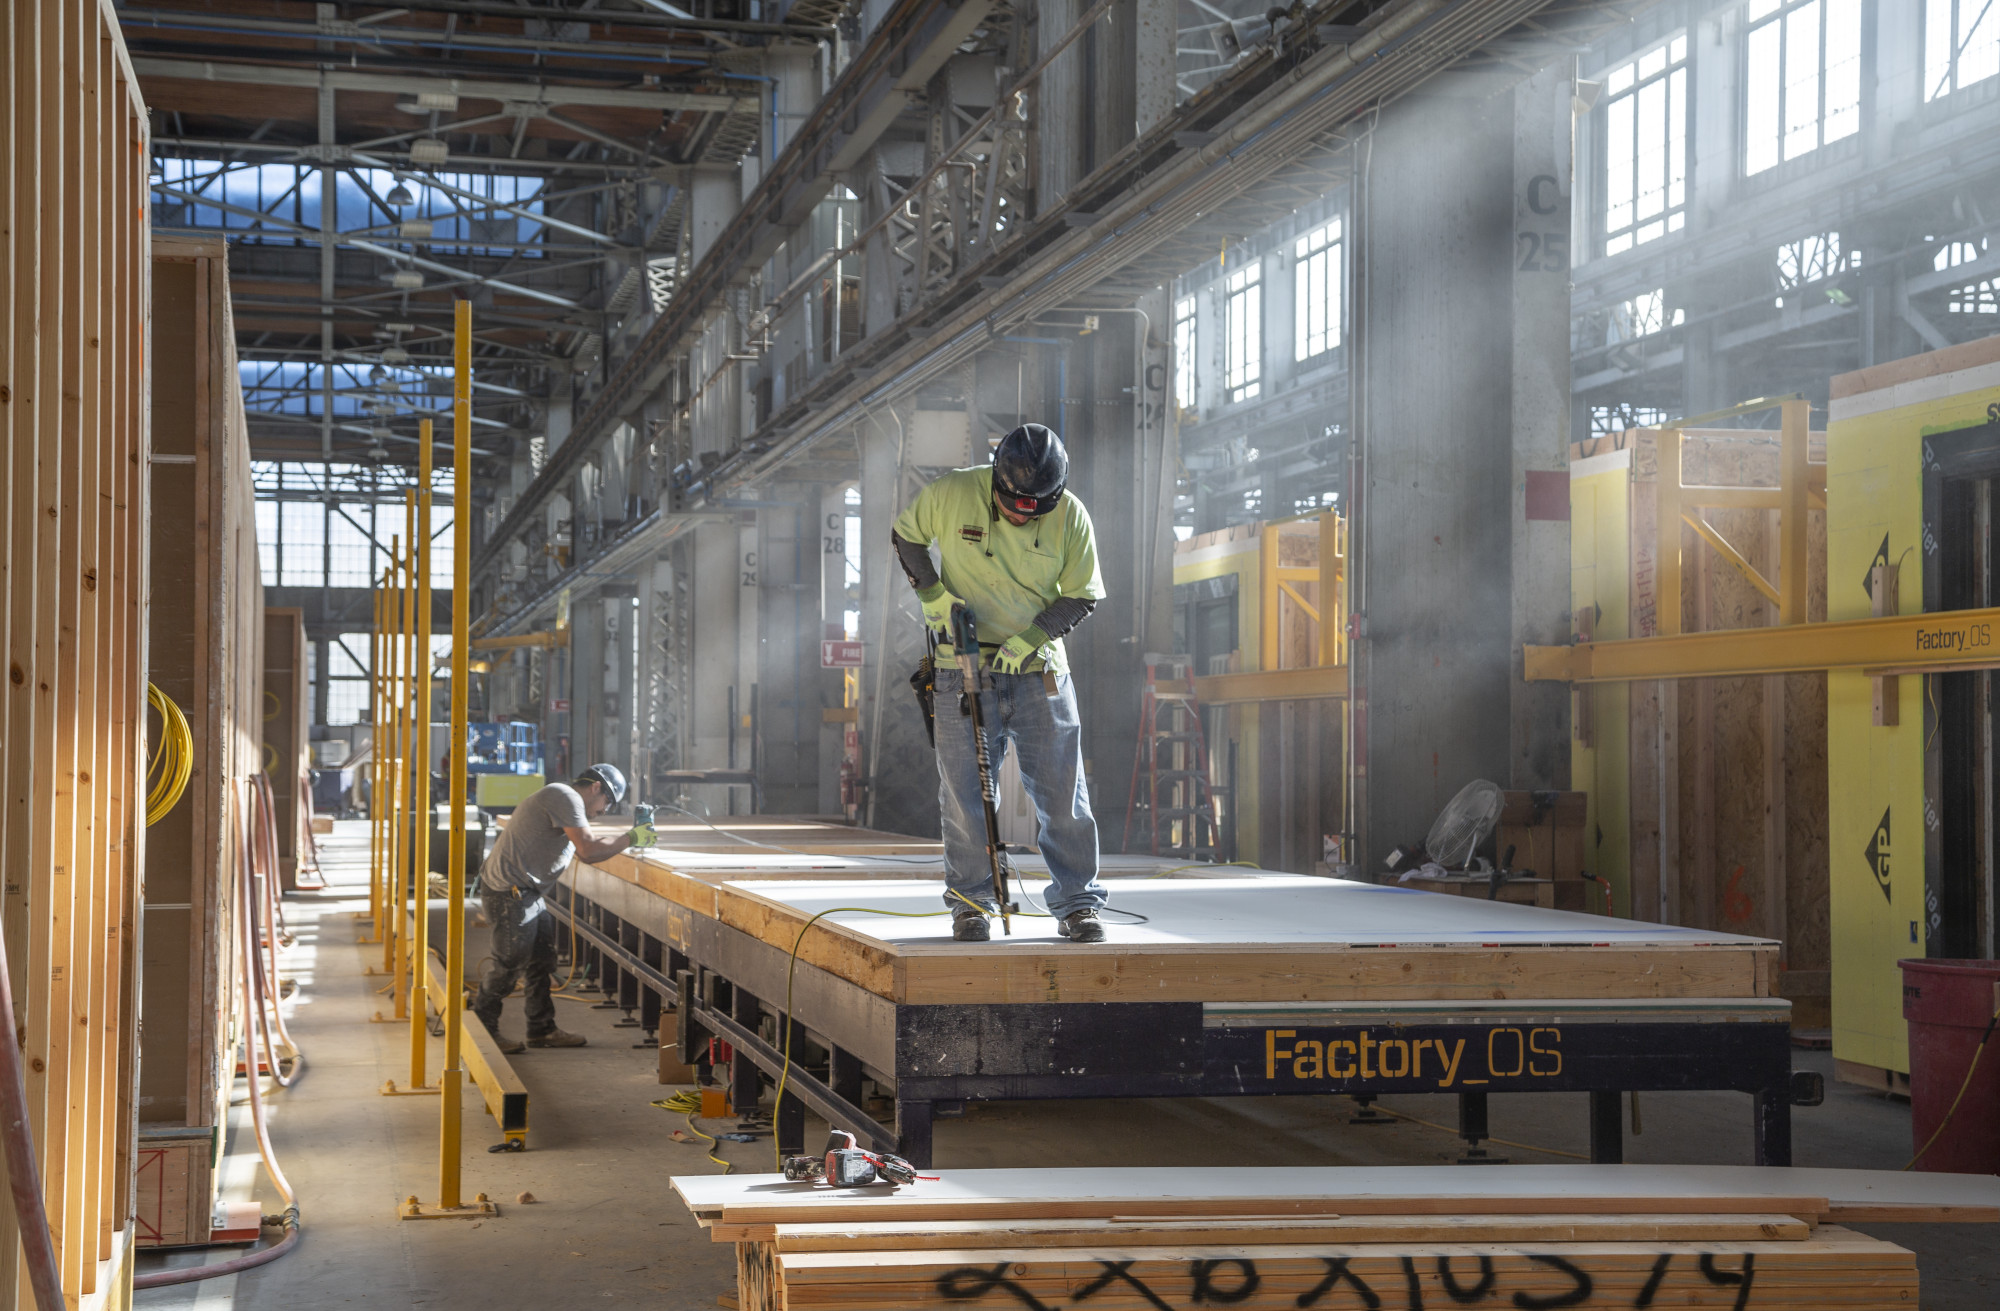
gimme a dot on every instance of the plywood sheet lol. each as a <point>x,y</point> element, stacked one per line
<point>1830,1194</point>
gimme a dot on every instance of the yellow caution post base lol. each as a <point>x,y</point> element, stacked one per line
<point>479,1208</point>
<point>389,1089</point>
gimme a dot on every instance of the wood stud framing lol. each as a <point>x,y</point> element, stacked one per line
<point>74,278</point>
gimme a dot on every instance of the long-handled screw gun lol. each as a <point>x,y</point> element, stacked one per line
<point>965,644</point>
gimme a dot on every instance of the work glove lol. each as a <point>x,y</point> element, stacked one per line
<point>644,835</point>
<point>1019,649</point>
<point>937,603</point>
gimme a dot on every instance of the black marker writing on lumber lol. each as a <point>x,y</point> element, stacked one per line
<point>1236,1281</point>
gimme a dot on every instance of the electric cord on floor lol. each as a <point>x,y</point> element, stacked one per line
<point>1971,1068</point>
<point>1504,1142</point>
<point>689,1103</point>
<point>252,1003</point>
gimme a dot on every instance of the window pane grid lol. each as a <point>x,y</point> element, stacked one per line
<point>1317,291</point>
<point>1961,44</point>
<point>1645,148</point>
<point>1184,354</point>
<point>1802,79</point>
<point>1243,333</point>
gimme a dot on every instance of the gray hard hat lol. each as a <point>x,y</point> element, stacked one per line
<point>610,777</point>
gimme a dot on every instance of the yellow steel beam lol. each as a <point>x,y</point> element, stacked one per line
<point>1940,642</point>
<point>1320,683</point>
<point>505,1095</point>
<point>1708,533</point>
<point>1312,611</point>
<point>546,641</point>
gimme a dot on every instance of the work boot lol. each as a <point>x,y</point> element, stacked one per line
<point>557,1038</point>
<point>969,925</point>
<point>507,1046</point>
<point>1081,926</point>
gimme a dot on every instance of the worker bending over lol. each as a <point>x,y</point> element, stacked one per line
<point>533,852</point>
<point>1017,549</point>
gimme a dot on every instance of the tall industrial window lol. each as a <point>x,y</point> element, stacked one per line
<point>302,533</point>
<point>1645,147</point>
<point>350,558</point>
<point>442,542</point>
<point>1317,291</point>
<point>1243,332</point>
<point>347,678</point>
<point>268,543</point>
<point>1980,297</point>
<point>1803,78</point>
<point>1184,355</point>
<point>1961,44</point>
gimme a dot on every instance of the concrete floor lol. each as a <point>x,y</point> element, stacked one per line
<point>606,1226</point>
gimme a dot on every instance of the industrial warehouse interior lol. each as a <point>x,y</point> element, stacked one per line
<point>859,655</point>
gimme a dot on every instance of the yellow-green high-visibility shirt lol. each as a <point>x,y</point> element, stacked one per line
<point>1007,574</point>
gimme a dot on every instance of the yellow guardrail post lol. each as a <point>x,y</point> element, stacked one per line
<point>375,899</point>
<point>393,767</point>
<point>451,1105</point>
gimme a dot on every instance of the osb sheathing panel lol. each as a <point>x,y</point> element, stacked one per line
<point>206,654</point>
<point>1746,846</point>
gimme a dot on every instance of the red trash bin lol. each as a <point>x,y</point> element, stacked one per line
<point>1950,1005</point>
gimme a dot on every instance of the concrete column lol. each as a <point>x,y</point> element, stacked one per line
<point>832,616</point>
<point>750,567</point>
<point>1158,24</point>
<point>714,196</point>
<point>1433,491</point>
<point>586,682</point>
<point>789,686</point>
<point>899,764</point>
<point>1060,106</point>
<point>1544,154</point>
<point>715,577</point>
<point>1105,650</point>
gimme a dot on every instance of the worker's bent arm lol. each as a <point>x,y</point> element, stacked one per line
<point>916,562</point>
<point>592,850</point>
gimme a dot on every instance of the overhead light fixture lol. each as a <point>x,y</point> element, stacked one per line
<point>376,373</point>
<point>400,327</point>
<point>429,150</point>
<point>391,385</point>
<point>415,229</point>
<point>395,355</point>
<point>406,279</point>
<point>399,196</point>
<point>427,102</point>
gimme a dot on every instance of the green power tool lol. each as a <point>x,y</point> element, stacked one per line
<point>965,644</point>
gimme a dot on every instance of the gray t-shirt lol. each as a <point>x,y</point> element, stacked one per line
<point>533,851</point>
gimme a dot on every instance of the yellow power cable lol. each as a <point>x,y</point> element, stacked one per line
<point>172,764</point>
<point>1970,1070</point>
<point>689,1103</point>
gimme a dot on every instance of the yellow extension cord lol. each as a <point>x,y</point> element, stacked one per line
<point>689,1104</point>
<point>1970,1070</point>
<point>167,773</point>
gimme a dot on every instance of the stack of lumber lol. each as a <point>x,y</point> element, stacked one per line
<point>1410,1237</point>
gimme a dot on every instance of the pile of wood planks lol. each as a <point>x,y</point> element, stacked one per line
<point>1336,1238</point>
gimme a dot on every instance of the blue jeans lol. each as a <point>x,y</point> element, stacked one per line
<point>1048,741</point>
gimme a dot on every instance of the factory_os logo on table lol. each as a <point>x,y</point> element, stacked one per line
<point>1505,1052</point>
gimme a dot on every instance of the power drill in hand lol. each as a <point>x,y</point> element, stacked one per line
<point>642,826</point>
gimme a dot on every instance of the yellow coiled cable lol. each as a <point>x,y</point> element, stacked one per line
<point>172,764</point>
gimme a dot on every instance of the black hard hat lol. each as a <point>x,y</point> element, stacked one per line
<point>1030,469</point>
<point>609,777</point>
